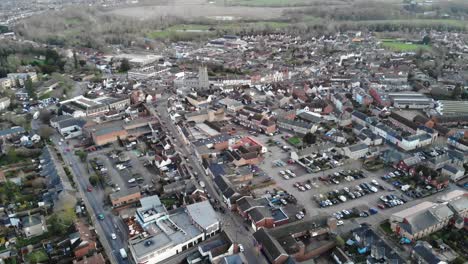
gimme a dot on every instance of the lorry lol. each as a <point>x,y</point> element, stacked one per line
<point>123,253</point>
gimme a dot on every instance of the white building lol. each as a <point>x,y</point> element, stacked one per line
<point>170,233</point>
<point>4,103</point>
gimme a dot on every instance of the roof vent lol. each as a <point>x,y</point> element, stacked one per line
<point>148,243</point>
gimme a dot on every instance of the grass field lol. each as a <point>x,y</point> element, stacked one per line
<point>401,46</point>
<point>295,141</point>
<point>459,24</point>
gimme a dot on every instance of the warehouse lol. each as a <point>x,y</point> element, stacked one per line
<point>411,101</point>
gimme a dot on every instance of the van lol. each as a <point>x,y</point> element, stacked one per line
<point>123,253</point>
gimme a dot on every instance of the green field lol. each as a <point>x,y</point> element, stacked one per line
<point>449,23</point>
<point>402,46</point>
<point>295,141</point>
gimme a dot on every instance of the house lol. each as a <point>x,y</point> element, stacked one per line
<point>356,151</point>
<point>4,103</point>
<point>126,196</point>
<point>94,259</point>
<point>374,247</point>
<point>247,203</point>
<point>227,191</point>
<point>423,253</point>
<point>83,241</point>
<point>33,225</point>
<point>455,173</point>
<point>267,217</point>
<point>270,247</point>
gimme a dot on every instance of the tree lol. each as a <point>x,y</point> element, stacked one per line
<point>93,180</point>
<point>124,65</point>
<point>45,116</point>
<point>60,222</point>
<point>82,155</point>
<point>339,241</point>
<point>28,84</point>
<point>45,131</point>
<point>75,59</point>
<point>309,138</point>
<point>457,91</point>
<point>426,40</point>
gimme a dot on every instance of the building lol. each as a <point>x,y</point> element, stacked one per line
<point>94,259</point>
<point>296,126</point>
<point>124,197</point>
<point>6,83</point>
<point>455,173</point>
<point>356,151</point>
<point>411,101</point>
<point>70,127</point>
<point>284,244</point>
<point>4,103</point>
<point>448,107</point>
<point>81,106</point>
<point>423,253</point>
<point>267,217</point>
<point>421,220</point>
<point>11,132</point>
<point>168,233</point>
<point>21,77</point>
<point>120,130</point>
<point>33,225</point>
<point>372,246</point>
<point>82,242</point>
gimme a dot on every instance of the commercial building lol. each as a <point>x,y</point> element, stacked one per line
<point>427,217</point>
<point>449,107</point>
<point>113,131</point>
<point>81,106</point>
<point>411,101</point>
<point>168,233</point>
<point>124,197</point>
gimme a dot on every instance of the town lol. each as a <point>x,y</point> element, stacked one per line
<point>269,147</point>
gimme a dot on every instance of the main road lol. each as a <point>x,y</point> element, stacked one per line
<point>231,223</point>
<point>94,201</point>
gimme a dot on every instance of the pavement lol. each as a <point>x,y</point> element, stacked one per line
<point>231,223</point>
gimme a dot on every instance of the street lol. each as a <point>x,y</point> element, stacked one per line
<point>94,202</point>
<point>231,223</point>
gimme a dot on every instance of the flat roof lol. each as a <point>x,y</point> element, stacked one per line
<point>203,214</point>
<point>166,232</point>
